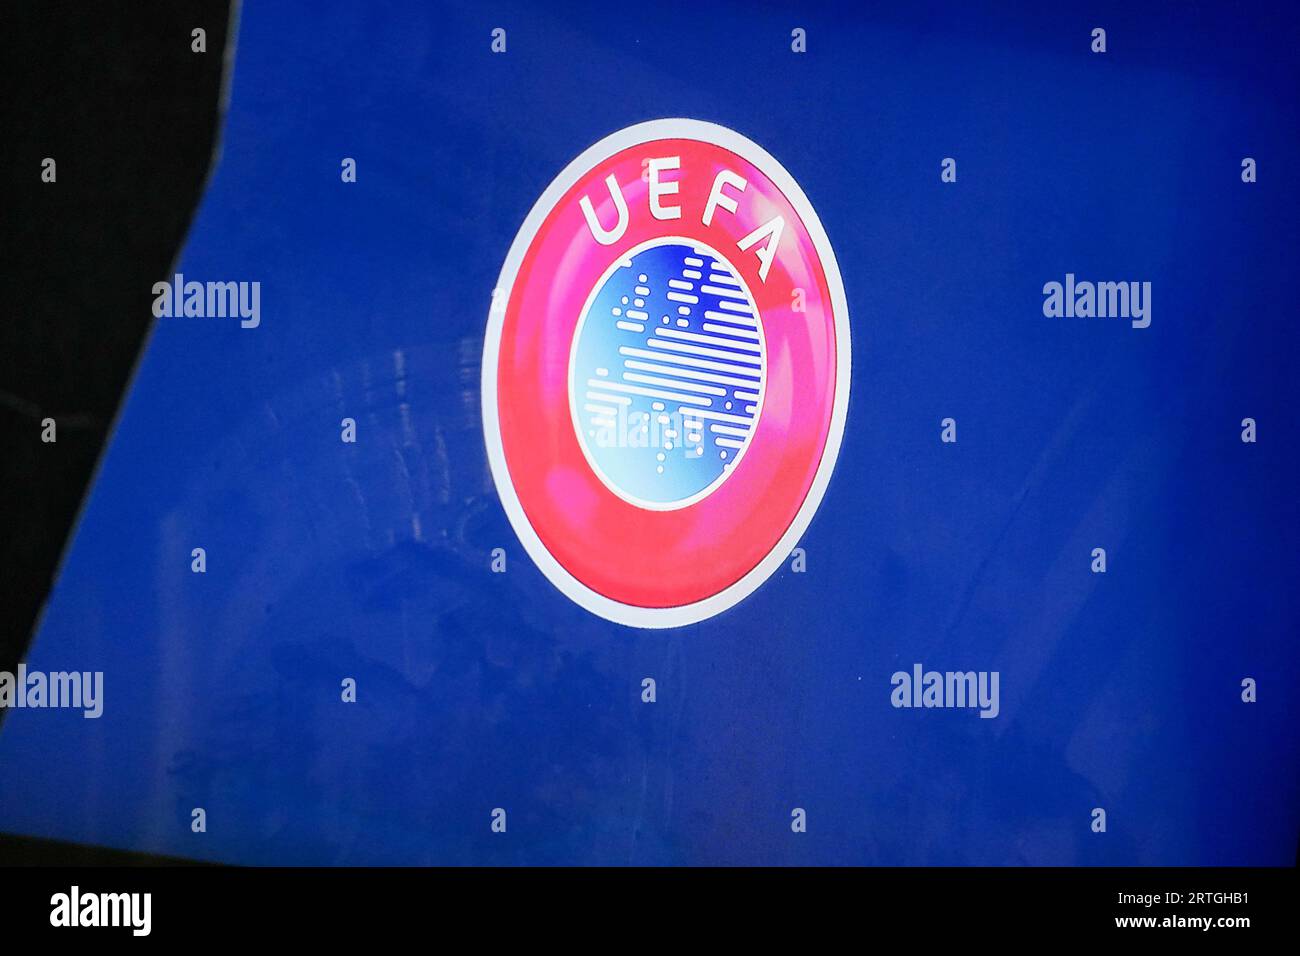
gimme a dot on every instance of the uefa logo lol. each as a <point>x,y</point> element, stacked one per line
<point>666,373</point>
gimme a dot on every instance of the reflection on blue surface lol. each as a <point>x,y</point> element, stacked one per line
<point>477,690</point>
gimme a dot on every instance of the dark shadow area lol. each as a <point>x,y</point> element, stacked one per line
<point>114,93</point>
<point>30,851</point>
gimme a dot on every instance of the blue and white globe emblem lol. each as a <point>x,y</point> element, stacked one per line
<point>667,374</point>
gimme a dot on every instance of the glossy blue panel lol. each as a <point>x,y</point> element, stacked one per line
<point>477,690</point>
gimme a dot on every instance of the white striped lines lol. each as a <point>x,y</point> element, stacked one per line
<point>701,350</point>
<point>742,307</point>
<point>729,430</point>
<point>651,392</point>
<point>726,330</point>
<point>728,317</point>
<point>722,291</point>
<point>708,340</point>
<point>730,331</point>
<point>672,383</point>
<point>698,413</point>
<point>699,372</point>
<point>690,373</point>
<point>692,362</point>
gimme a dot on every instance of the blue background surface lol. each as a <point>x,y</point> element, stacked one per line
<point>480,690</point>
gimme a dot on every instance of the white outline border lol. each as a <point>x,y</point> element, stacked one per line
<point>630,614</point>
